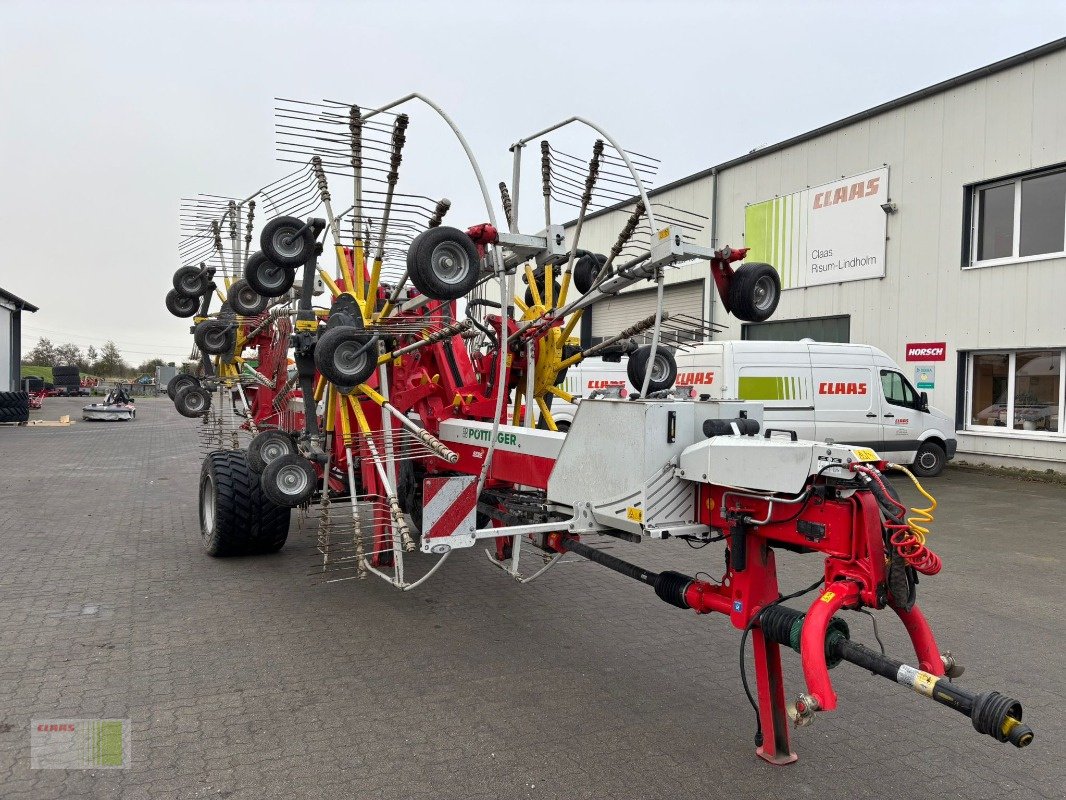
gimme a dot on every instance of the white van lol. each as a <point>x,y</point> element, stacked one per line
<point>849,393</point>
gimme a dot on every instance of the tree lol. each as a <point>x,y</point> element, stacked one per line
<point>148,367</point>
<point>111,363</point>
<point>68,354</point>
<point>43,355</point>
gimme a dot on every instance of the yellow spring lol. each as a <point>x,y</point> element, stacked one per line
<point>923,516</point>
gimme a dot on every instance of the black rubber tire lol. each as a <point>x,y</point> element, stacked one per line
<point>267,446</point>
<point>191,282</point>
<point>556,291</point>
<point>280,243</point>
<point>65,371</point>
<point>16,401</point>
<point>266,277</point>
<point>14,415</point>
<point>242,521</point>
<point>192,401</point>
<point>409,491</point>
<point>181,306</point>
<point>289,481</point>
<point>443,263</point>
<point>754,292</point>
<point>929,460</point>
<point>215,337</point>
<point>346,355</point>
<point>245,300</point>
<point>14,406</point>
<point>663,374</point>
<point>178,381</point>
<point>563,426</point>
<point>586,270</point>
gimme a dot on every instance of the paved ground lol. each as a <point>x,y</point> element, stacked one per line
<point>245,680</point>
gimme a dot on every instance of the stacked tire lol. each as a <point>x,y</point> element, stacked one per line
<point>14,407</point>
<point>67,378</point>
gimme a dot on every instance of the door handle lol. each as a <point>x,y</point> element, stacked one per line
<point>871,414</point>
<point>890,415</point>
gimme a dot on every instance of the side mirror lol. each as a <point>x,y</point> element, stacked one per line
<point>925,401</point>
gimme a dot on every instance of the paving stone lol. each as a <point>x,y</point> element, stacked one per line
<point>245,678</point>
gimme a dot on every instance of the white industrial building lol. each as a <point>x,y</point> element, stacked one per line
<point>932,227</point>
<point>11,308</point>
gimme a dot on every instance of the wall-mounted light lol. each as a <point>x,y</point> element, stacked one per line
<point>889,207</point>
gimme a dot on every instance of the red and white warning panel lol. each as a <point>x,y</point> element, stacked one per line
<point>449,508</point>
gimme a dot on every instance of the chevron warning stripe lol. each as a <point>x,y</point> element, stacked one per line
<point>449,506</point>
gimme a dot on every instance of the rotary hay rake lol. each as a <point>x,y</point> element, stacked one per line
<point>410,409</point>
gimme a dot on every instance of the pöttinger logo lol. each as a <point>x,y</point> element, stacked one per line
<point>79,743</point>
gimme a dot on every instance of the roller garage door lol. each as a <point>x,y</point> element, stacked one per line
<point>610,317</point>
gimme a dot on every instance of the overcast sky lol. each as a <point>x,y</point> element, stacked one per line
<point>111,112</point>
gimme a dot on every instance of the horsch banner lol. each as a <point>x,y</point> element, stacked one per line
<point>825,234</point>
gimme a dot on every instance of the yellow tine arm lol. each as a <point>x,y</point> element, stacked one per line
<point>546,415</point>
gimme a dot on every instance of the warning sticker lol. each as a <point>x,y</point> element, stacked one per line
<point>865,454</point>
<point>634,514</point>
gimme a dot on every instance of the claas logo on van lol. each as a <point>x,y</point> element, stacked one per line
<point>605,384</point>
<point>841,388</point>
<point>693,378</point>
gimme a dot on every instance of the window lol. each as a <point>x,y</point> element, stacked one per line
<point>1019,218</point>
<point>898,390</point>
<point>821,329</point>
<point>1018,391</point>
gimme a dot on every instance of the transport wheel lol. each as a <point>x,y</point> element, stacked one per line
<point>180,381</point>
<point>754,292</point>
<point>586,270</point>
<point>268,446</point>
<point>191,282</point>
<point>289,480</point>
<point>266,277</point>
<point>192,401</point>
<point>245,300</point>
<point>443,263</point>
<point>287,241</point>
<point>930,460</point>
<point>663,371</point>
<point>346,355</point>
<point>556,290</point>
<point>236,518</point>
<point>180,305</point>
<point>215,337</point>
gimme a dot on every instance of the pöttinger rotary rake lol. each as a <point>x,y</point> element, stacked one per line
<point>411,411</point>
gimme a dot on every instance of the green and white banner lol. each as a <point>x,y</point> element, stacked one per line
<point>825,234</point>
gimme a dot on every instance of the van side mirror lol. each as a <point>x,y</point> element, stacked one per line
<point>924,402</point>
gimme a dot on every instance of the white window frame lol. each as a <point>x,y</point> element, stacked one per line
<point>975,218</point>
<point>1012,362</point>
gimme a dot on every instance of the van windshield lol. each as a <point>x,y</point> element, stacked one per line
<point>898,391</point>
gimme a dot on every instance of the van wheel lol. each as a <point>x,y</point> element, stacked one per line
<point>562,427</point>
<point>663,370</point>
<point>930,460</point>
<point>754,292</point>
